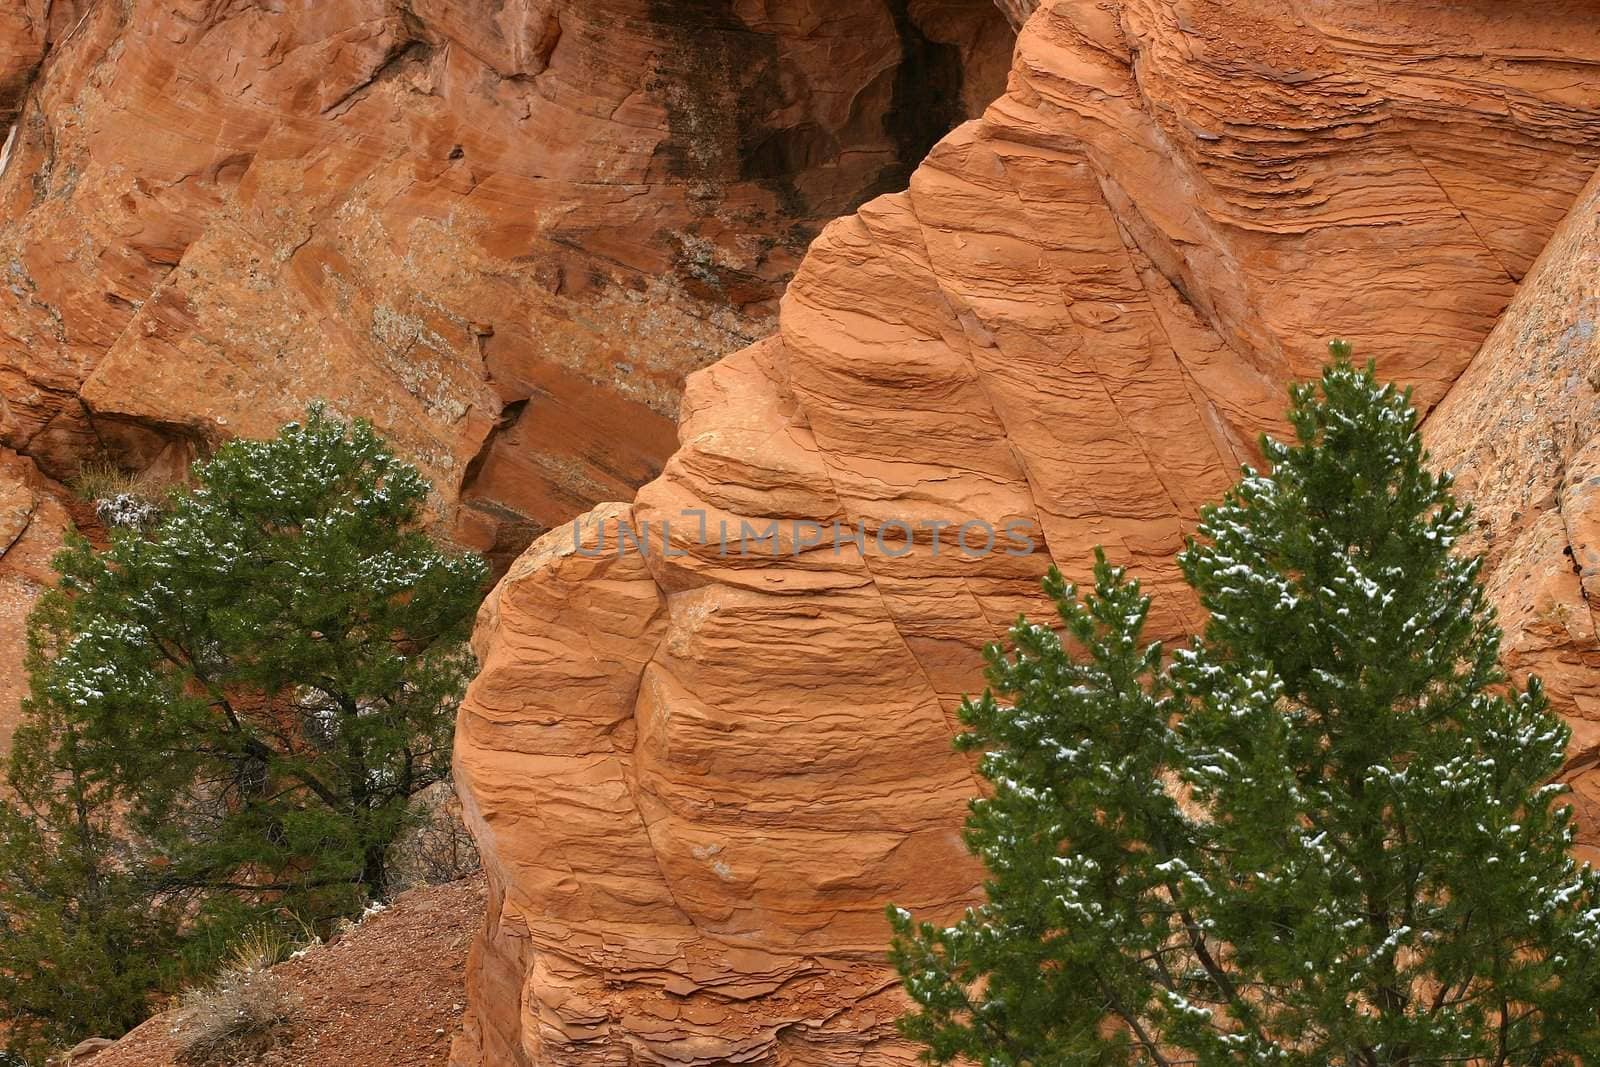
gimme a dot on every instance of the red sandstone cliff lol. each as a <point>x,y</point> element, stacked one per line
<point>697,778</point>
<point>503,231</point>
<point>32,523</point>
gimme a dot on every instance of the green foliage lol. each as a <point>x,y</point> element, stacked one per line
<point>1078,758</point>
<point>82,946</point>
<point>230,710</point>
<point>1322,835</point>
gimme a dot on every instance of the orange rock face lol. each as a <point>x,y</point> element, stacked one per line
<point>698,774</point>
<point>1519,430</point>
<point>503,231</point>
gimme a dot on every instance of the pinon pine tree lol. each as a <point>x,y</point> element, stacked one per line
<point>82,945</point>
<point>269,672</point>
<point>1324,834</point>
<point>230,709</point>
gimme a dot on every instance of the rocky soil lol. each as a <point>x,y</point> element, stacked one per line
<point>388,993</point>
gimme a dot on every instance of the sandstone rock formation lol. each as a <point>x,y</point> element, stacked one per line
<point>503,231</point>
<point>27,29</point>
<point>697,775</point>
<point>1521,432</point>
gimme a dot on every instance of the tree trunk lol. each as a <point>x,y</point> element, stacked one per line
<point>374,864</point>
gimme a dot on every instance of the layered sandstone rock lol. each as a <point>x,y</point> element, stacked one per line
<point>1521,432</point>
<point>697,775</point>
<point>503,231</point>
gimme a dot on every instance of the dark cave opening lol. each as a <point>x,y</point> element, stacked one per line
<point>926,101</point>
<point>759,100</point>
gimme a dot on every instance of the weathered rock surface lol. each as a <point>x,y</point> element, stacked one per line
<point>32,524</point>
<point>27,28</point>
<point>697,775</point>
<point>503,231</point>
<point>1521,431</point>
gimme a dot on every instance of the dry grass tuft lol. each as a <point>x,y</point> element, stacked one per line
<point>244,1011</point>
<point>102,479</point>
<point>120,497</point>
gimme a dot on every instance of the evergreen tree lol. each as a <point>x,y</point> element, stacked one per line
<point>229,709</point>
<point>1075,837</point>
<point>1323,835</point>
<point>82,945</point>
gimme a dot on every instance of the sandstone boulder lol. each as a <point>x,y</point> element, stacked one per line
<point>1017,11</point>
<point>697,775</point>
<point>82,1052</point>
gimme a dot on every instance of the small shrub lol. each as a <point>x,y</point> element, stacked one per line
<point>120,497</point>
<point>260,948</point>
<point>245,1010</point>
<point>436,848</point>
<point>1557,614</point>
<point>102,479</point>
<point>128,510</point>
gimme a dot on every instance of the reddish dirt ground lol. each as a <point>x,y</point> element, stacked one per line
<point>388,993</point>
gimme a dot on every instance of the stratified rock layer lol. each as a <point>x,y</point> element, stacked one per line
<point>1521,432</point>
<point>697,775</point>
<point>503,231</point>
